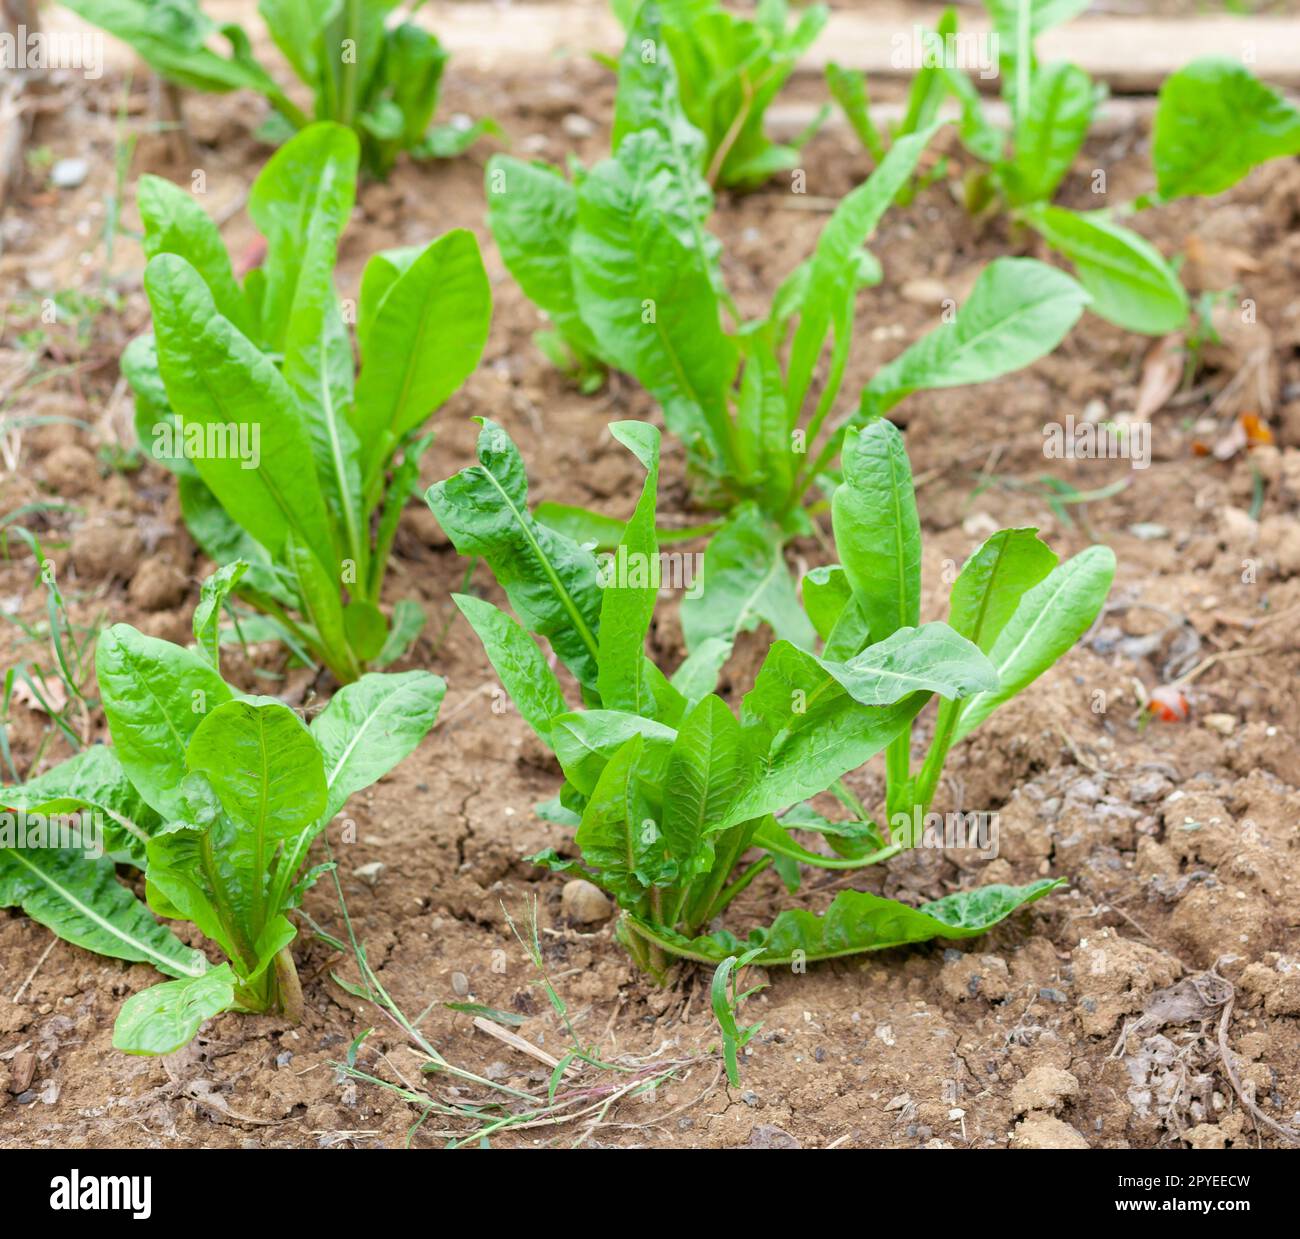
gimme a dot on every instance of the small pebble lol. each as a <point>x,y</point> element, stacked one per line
<point>69,173</point>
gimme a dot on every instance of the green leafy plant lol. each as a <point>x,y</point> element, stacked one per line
<point>726,996</point>
<point>1214,123</point>
<point>288,457</point>
<point>730,69</point>
<point>216,796</point>
<point>378,79</point>
<point>621,263</point>
<point>669,792</point>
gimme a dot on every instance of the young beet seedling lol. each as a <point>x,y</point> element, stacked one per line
<point>386,90</point>
<point>730,69</point>
<point>284,458</point>
<point>669,792</point>
<point>621,262</point>
<point>216,796</point>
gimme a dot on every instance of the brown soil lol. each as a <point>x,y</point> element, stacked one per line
<point>1179,840</point>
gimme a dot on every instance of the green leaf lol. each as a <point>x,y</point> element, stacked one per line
<point>1128,280</point>
<point>427,337</point>
<point>630,585</point>
<point>550,580</point>
<point>516,658</point>
<point>215,377</point>
<point>80,899</point>
<point>92,780</point>
<point>175,224</point>
<point>835,612</point>
<point>1018,311</point>
<point>698,674</point>
<point>1051,132</point>
<point>532,212</point>
<point>406,625</point>
<point>171,38</point>
<point>617,834</point>
<point>849,89</point>
<point>877,530</point>
<point>705,775</point>
<point>744,582</point>
<point>207,615</point>
<point>1050,618</point>
<point>858,921</point>
<point>1214,123</point>
<point>300,202</point>
<point>371,725</point>
<point>1043,15</point>
<point>593,530</point>
<point>833,272</point>
<point>267,771</point>
<point>366,629</point>
<point>318,596</point>
<point>804,731</point>
<point>584,741</point>
<point>166,1017</point>
<point>224,542</point>
<point>155,697</point>
<point>644,281</point>
<point>993,580</point>
<point>930,659</point>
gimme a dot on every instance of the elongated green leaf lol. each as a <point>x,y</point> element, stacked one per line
<point>175,224</point>
<point>216,378</point>
<point>207,615</point>
<point>297,26</point>
<point>744,582</point>
<point>1018,311</point>
<point>171,38</point>
<point>1213,124</point>
<point>630,585</point>
<point>1051,132</point>
<point>877,530</point>
<point>164,1018</point>
<point>80,899</point>
<point>320,600</point>
<point>617,833</point>
<point>550,580</point>
<point>427,337</point>
<point>516,658</point>
<point>848,88</point>
<point>833,272</point>
<point>594,530</point>
<point>993,580</point>
<point>532,211</point>
<point>300,202</point>
<point>155,696</point>
<point>645,287</point>
<point>92,780</point>
<point>1049,619</point>
<point>1128,280</point>
<point>858,921</point>
<point>371,725</point>
<point>706,773</point>
<point>224,542</point>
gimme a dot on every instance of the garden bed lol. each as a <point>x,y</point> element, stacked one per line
<point>1179,840</point>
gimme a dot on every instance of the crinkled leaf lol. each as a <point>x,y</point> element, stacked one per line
<point>858,921</point>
